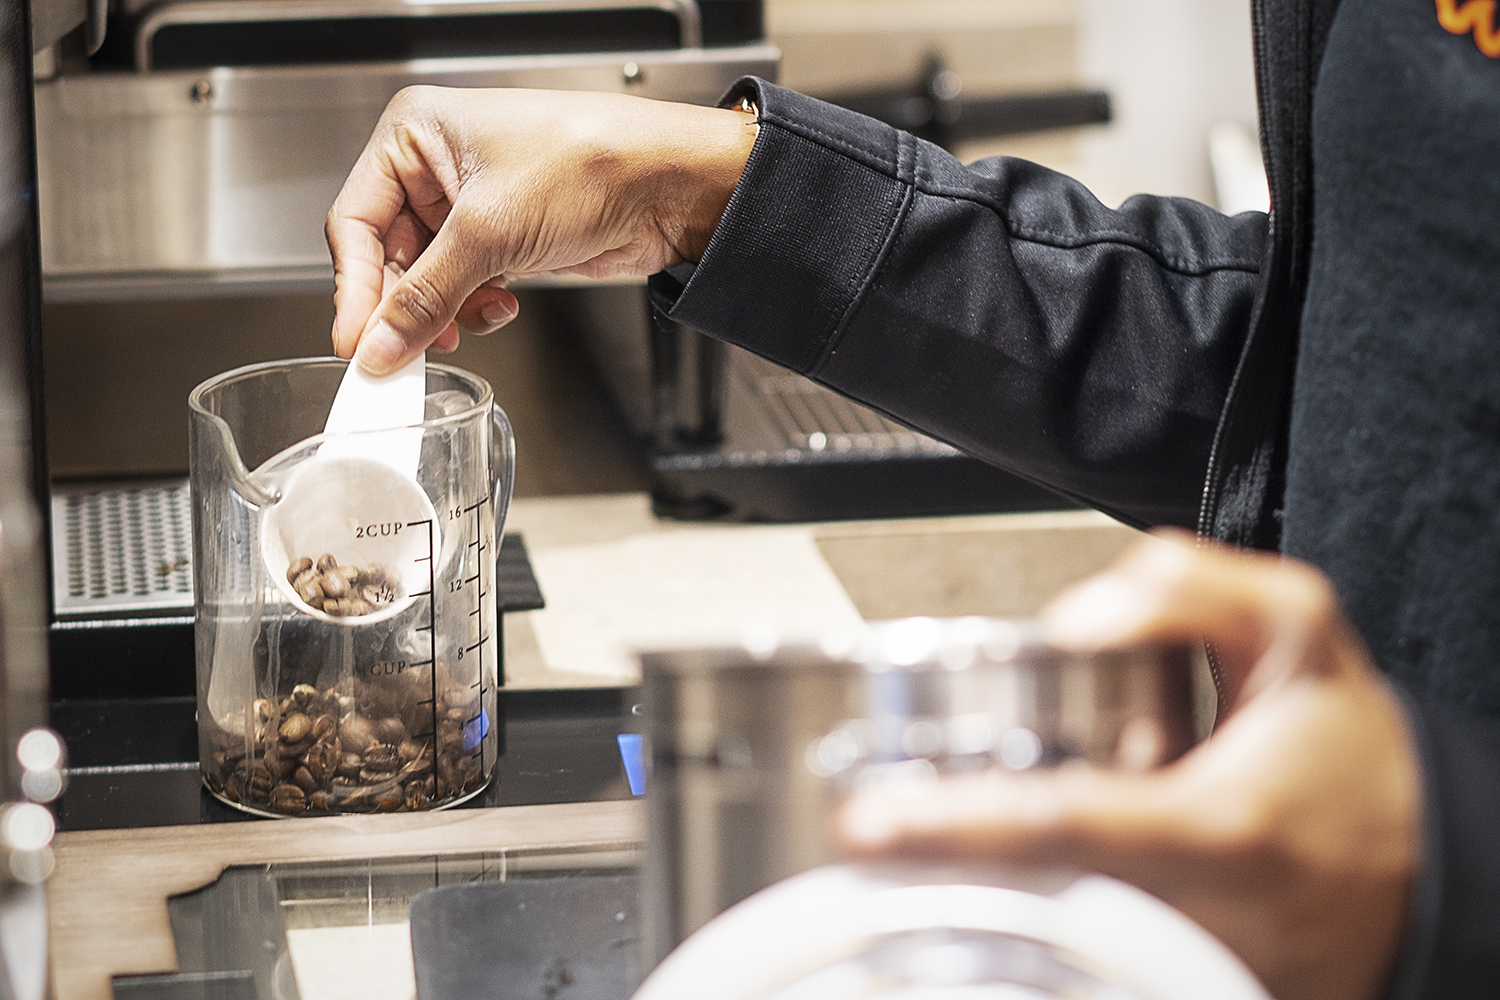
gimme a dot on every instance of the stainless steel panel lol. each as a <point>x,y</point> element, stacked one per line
<point>52,19</point>
<point>195,181</point>
<point>225,11</point>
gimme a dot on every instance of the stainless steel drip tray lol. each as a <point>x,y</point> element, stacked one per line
<point>122,549</point>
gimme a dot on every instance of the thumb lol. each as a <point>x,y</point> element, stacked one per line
<point>424,302</point>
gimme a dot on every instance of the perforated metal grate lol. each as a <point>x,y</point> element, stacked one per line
<point>799,414</point>
<point>120,548</point>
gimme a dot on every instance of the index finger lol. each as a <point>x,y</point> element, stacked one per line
<point>363,212</point>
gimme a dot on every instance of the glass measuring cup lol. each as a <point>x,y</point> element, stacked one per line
<point>328,705</point>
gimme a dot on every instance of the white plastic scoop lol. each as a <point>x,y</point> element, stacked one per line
<point>358,498</point>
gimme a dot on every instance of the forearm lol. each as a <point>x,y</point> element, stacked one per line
<point>999,307</point>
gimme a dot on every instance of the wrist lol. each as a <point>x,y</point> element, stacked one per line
<point>694,184</point>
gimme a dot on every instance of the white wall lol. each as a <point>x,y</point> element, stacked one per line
<point>1175,68</point>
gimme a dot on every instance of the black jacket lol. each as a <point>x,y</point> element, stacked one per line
<point>1139,360</point>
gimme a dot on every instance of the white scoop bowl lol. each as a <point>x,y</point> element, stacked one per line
<point>358,498</point>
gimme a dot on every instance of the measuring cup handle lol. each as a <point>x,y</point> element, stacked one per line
<point>502,466</point>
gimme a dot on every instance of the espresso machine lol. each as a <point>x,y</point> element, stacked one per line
<point>186,166</point>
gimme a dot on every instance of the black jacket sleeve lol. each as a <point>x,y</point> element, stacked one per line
<point>999,307</point>
<point>1452,951</point>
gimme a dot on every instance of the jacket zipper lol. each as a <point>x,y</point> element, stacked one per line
<point>1209,506</point>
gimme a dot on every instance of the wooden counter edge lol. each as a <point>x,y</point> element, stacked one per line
<point>107,900</point>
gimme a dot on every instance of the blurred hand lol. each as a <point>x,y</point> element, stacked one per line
<point>1292,834</point>
<point>460,191</point>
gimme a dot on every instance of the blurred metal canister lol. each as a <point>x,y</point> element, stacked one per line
<point>752,747</point>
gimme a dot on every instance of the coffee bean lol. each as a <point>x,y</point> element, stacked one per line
<point>381,757</point>
<point>357,732</point>
<point>258,782</point>
<point>416,797</point>
<point>349,747</point>
<point>321,761</point>
<point>390,731</point>
<point>338,589</point>
<point>297,568</point>
<point>325,725</point>
<point>288,799</point>
<point>296,728</point>
<point>349,766</point>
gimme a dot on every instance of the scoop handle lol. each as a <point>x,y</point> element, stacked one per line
<point>368,402</point>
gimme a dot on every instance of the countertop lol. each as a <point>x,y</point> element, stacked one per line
<point>136,825</point>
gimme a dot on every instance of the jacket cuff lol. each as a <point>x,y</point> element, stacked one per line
<point>1415,957</point>
<point>769,281</point>
<point>1452,947</point>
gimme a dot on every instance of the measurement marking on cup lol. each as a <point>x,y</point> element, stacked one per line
<point>479,608</point>
<point>431,636</point>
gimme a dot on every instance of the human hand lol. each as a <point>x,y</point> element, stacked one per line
<point>461,191</point>
<point>1292,834</point>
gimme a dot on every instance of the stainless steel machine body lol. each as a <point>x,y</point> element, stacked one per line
<point>193,180</point>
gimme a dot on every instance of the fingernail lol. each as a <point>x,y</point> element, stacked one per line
<point>1100,612</point>
<point>497,314</point>
<point>380,349</point>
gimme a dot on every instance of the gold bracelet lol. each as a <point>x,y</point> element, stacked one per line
<point>747,105</point>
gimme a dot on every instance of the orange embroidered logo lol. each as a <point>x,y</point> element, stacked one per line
<point>1477,16</point>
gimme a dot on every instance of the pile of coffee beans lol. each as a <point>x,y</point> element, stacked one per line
<point>360,746</point>
<point>341,591</point>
